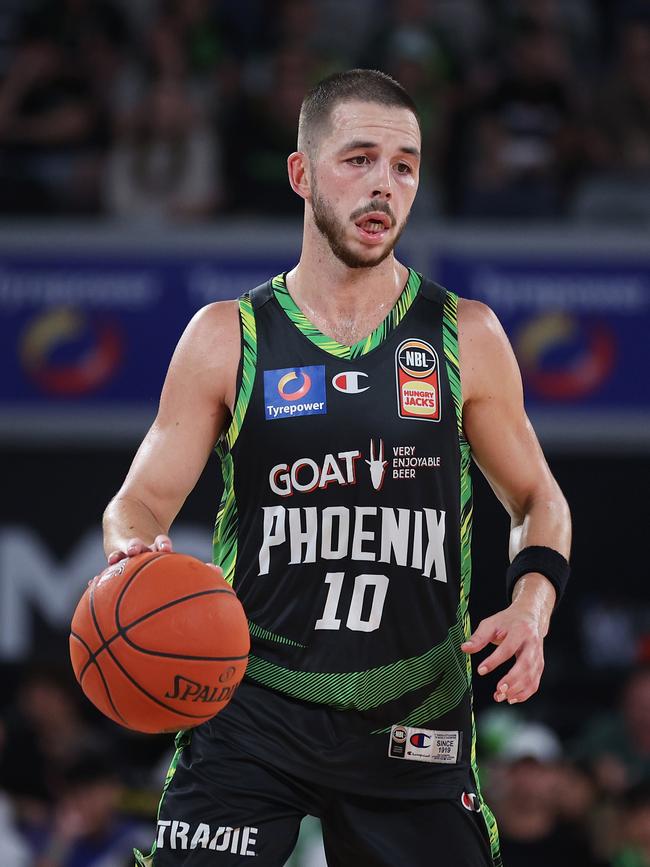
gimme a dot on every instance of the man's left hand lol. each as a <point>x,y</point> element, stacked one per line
<point>516,632</point>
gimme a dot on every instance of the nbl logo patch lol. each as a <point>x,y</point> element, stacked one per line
<point>294,391</point>
<point>418,381</point>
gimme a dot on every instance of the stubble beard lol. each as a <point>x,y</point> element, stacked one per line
<point>333,230</point>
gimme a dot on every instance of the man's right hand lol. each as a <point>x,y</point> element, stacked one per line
<point>137,546</point>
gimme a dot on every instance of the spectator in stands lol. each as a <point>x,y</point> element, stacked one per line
<point>187,43</point>
<point>261,133</point>
<point>617,141</point>
<point>54,105</point>
<point>576,20</point>
<point>410,31</point>
<point>44,731</point>
<point>633,849</point>
<point>520,144</point>
<point>616,745</point>
<point>305,24</point>
<point>86,828</point>
<point>166,166</point>
<point>413,48</point>
<point>52,133</point>
<point>13,850</point>
<point>532,828</point>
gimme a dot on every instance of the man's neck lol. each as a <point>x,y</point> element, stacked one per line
<point>344,302</point>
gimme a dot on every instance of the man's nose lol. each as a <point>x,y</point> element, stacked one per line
<point>381,181</point>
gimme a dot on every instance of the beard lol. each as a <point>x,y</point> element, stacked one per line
<point>333,230</point>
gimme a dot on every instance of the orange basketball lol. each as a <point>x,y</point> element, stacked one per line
<point>159,642</point>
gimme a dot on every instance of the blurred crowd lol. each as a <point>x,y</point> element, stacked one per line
<point>185,110</point>
<point>78,791</point>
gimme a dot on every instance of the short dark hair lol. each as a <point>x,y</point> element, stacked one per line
<point>364,85</point>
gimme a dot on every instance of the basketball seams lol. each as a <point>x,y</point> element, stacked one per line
<point>123,631</point>
<point>92,659</point>
<point>101,675</point>
<point>103,621</point>
<point>91,601</point>
<point>128,676</point>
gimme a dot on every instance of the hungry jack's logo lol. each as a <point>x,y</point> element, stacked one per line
<point>417,380</point>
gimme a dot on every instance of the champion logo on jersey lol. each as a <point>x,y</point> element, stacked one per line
<point>418,385</point>
<point>350,382</point>
<point>471,802</point>
<point>294,391</point>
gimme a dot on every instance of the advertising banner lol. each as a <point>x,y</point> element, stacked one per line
<point>580,327</point>
<point>83,332</point>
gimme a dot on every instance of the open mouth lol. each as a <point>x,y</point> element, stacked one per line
<point>374,226</point>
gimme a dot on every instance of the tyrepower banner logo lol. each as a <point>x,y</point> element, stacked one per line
<point>294,391</point>
<point>418,383</point>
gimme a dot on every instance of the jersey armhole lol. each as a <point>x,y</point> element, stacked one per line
<point>245,375</point>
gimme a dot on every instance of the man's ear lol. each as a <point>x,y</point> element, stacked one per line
<point>298,169</point>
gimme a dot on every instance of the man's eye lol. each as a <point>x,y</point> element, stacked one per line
<point>359,161</point>
<point>403,168</point>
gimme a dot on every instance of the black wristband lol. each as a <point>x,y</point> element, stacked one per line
<point>538,558</point>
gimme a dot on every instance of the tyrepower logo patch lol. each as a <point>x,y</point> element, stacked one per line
<point>418,382</point>
<point>294,391</point>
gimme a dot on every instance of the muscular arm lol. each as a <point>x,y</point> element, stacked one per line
<point>195,404</point>
<point>506,449</point>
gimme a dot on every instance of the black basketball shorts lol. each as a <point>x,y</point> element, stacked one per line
<point>221,806</point>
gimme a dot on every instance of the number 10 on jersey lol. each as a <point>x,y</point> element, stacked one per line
<point>377,584</point>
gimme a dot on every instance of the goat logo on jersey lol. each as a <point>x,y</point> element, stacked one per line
<point>418,385</point>
<point>377,465</point>
<point>306,475</point>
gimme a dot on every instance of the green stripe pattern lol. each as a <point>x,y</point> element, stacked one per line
<point>249,363</point>
<point>259,632</point>
<point>450,345</point>
<point>373,687</point>
<point>224,539</point>
<point>362,347</point>
<point>181,740</point>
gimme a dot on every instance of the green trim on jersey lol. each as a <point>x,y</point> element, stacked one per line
<point>181,740</point>
<point>488,817</point>
<point>363,690</point>
<point>362,347</point>
<point>450,343</point>
<point>259,632</point>
<point>224,539</point>
<point>249,363</point>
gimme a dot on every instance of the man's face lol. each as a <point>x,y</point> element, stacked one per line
<point>364,176</point>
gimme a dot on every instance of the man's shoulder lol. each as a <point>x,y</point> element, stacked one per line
<point>477,318</point>
<point>213,326</point>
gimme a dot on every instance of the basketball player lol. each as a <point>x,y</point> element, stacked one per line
<point>346,399</point>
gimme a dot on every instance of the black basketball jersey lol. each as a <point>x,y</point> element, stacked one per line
<point>345,530</point>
